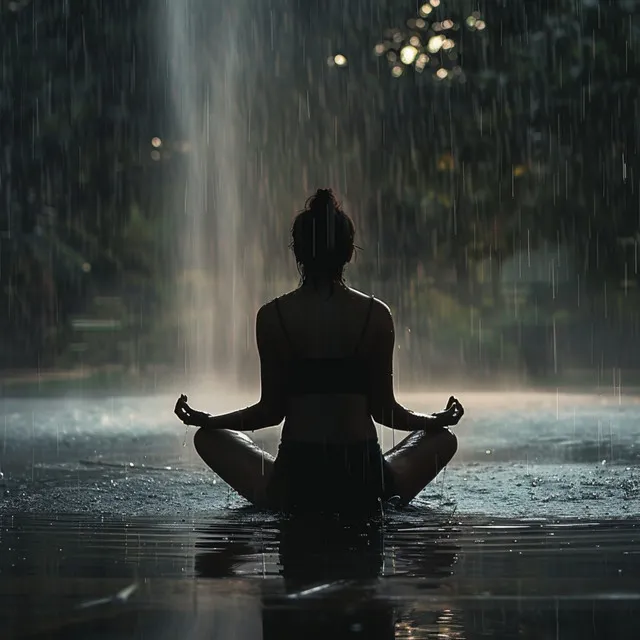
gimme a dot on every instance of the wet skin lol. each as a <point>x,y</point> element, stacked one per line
<point>320,324</point>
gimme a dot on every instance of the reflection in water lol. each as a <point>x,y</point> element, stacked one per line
<point>247,576</point>
<point>334,578</point>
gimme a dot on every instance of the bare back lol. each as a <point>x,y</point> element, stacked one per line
<point>326,369</point>
<point>317,325</point>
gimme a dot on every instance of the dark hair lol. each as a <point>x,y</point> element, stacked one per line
<point>322,239</point>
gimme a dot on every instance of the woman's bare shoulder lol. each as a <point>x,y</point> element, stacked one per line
<point>380,307</point>
<point>268,313</point>
<point>293,301</point>
<point>282,298</point>
<point>381,317</point>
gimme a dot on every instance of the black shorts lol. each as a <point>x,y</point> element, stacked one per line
<point>344,479</point>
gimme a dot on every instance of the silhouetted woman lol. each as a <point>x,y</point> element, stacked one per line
<point>326,354</point>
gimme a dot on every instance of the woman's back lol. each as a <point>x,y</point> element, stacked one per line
<point>326,355</point>
<point>325,335</point>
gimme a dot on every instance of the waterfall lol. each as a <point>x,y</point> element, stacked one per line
<point>218,285</point>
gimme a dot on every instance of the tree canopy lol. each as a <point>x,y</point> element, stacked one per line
<point>458,133</point>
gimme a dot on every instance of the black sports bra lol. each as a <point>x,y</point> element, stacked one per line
<point>349,374</point>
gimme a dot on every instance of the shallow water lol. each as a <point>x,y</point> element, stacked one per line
<point>251,576</point>
<point>521,455</point>
<point>111,528</point>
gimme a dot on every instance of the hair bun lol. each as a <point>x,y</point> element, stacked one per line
<point>322,238</point>
<point>324,195</point>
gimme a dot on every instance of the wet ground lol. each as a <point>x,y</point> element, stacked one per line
<point>110,528</point>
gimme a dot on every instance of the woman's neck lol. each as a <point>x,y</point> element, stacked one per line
<point>322,286</point>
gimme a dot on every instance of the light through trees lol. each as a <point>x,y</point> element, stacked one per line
<point>426,42</point>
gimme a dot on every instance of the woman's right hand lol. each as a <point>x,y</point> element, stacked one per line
<point>452,413</point>
<point>187,414</point>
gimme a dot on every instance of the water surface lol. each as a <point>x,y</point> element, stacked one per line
<point>521,455</point>
<point>250,576</point>
<point>110,527</point>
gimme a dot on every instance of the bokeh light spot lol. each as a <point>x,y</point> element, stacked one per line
<point>408,54</point>
<point>435,43</point>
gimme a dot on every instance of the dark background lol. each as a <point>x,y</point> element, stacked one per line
<point>498,208</point>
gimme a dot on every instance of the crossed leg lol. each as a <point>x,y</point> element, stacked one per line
<point>238,460</point>
<point>418,459</point>
<point>241,463</point>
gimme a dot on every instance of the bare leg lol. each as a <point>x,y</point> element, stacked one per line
<point>238,460</point>
<point>417,460</point>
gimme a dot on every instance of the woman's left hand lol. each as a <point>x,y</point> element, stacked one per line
<point>452,413</point>
<point>188,415</point>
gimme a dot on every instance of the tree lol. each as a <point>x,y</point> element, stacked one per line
<point>490,156</point>
<point>75,130</point>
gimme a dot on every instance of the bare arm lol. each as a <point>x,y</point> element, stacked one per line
<point>385,409</point>
<point>267,412</point>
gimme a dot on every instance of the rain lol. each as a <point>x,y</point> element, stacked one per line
<point>153,156</point>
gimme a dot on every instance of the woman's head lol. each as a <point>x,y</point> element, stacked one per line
<point>322,238</point>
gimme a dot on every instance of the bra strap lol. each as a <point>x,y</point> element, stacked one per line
<point>284,327</point>
<point>365,326</point>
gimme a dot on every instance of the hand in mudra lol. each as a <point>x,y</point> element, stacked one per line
<point>452,413</point>
<point>187,414</point>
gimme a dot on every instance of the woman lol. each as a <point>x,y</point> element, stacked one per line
<point>326,354</point>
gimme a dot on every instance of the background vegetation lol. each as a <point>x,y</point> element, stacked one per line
<point>498,202</point>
